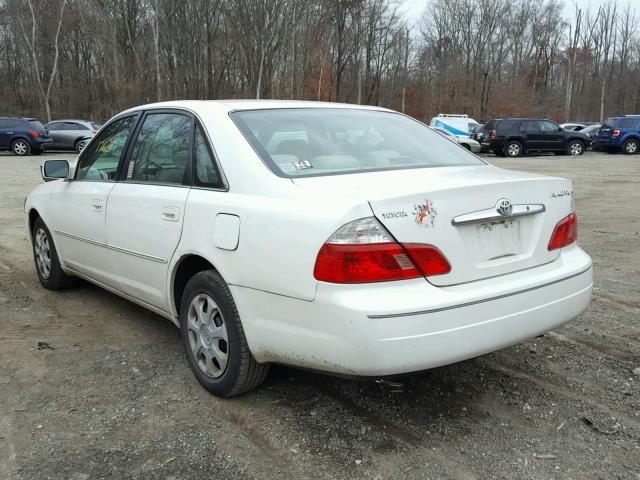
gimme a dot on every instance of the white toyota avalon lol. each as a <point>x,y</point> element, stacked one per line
<point>345,239</point>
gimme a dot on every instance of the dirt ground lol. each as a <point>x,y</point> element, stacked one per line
<point>110,395</point>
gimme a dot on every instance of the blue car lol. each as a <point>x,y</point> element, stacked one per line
<point>23,136</point>
<point>620,134</point>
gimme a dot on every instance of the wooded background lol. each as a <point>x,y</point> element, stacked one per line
<point>93,58</point>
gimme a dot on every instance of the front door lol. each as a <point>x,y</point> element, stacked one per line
<point>7,127</point>
<point>553,135</point>
<point>78,209</point>
<point>145,210</point>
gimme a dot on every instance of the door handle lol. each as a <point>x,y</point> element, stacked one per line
<point>171,214</point>
<point>96,205</point>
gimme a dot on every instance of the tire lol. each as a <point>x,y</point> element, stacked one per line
<point>20,147</point>
<point>212,334</point>
<point>45,257</point>
<point>631,147</point>
<point>575,148</point>
<point>80,144</point>
<point>513,149</point>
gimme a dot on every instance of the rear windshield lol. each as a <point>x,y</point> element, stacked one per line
<point>609,123</point>
<point>310,141</point>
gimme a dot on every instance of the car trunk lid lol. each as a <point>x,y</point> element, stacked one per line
<point>456,210</point>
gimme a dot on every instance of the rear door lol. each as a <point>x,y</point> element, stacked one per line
<point>56,132</point>
<point>78,208</point>
<point>532,134</point>
<point>145,210</point>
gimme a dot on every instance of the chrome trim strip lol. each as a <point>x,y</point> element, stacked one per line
<point>113,247</point>
<point>475,302</point>
<point>491,214</point>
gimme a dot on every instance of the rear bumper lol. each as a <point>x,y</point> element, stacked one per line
<point>402,327</point>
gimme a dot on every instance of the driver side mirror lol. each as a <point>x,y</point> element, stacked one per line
<point>54,170</point>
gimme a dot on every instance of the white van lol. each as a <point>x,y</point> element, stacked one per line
<point>459,125</point>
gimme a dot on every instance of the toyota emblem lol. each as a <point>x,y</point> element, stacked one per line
<point>504,207</point>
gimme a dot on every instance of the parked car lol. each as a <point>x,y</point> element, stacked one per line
<point>71,134</point>
<point>459,125</point>
<point>516,136</point>
<point>467,143</point>
<point>23,136</point>
<point>592,132</point>
<point>341,238</point>
<point>577,127</point>
<point>620,134</point>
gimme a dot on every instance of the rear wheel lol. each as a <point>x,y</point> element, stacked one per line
<point>575,148</point>
<point>21,147</point>
<point>513,149</point>
<point>46,259</point>
<point>631,147</point>
<point>214,340</point>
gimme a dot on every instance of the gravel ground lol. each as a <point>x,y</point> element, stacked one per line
<point>110,395</point>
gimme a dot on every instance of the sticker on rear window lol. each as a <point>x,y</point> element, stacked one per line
<point>302,164</point>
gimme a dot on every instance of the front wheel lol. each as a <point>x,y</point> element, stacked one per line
<point>46,259</point>
<point>513,149</point>
<point>80,144</point>
<point>631,147</point>
<point>214,340</point>
<point>575,148</point>
<point>21,147</point>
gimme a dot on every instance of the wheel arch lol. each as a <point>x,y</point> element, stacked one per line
<point>33,216</point>
<point>186,267</point>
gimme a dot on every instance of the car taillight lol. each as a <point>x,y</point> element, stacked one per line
<point>565,233</point>
<point>493,134</point>
<point>363,251</point>
<point>33,133</point>
<point>616,133</point>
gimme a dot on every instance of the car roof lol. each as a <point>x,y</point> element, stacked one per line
<point>249,104</point>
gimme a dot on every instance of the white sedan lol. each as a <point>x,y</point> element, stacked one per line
<point>345,239</point>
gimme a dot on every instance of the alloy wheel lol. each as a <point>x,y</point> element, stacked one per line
<point>208,337</point>
<point>513,150</point>
<point>43,253</point>
<point>631,147</point>
<point>20,147</point>
<point>80,146</point>
<point>575,148</point>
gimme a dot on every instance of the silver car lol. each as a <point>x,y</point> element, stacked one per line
<point>70,134</point>
<point>468,143</point>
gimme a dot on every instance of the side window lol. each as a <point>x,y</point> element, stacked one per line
<point>99,162</point>
<point>548,127</point>
<point>54,126</point>
<point>162,151</point>
<point>207,174</point>
<point>626,123</point>
<point>6,123</point>
<point>530,126</point>
<point>74,126</point>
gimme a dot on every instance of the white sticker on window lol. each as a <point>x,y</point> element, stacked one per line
<point>302,164</point>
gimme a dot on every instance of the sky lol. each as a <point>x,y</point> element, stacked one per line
<point>412,9</point>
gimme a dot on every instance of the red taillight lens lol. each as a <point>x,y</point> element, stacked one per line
<point>363,251</point>
<point>378,262</point>
<point>364,263</point>
<point>429,260</point>
<point>616,133</point>
<point>33,133</point>
<point>493,134</point>
<point>565,233</point>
